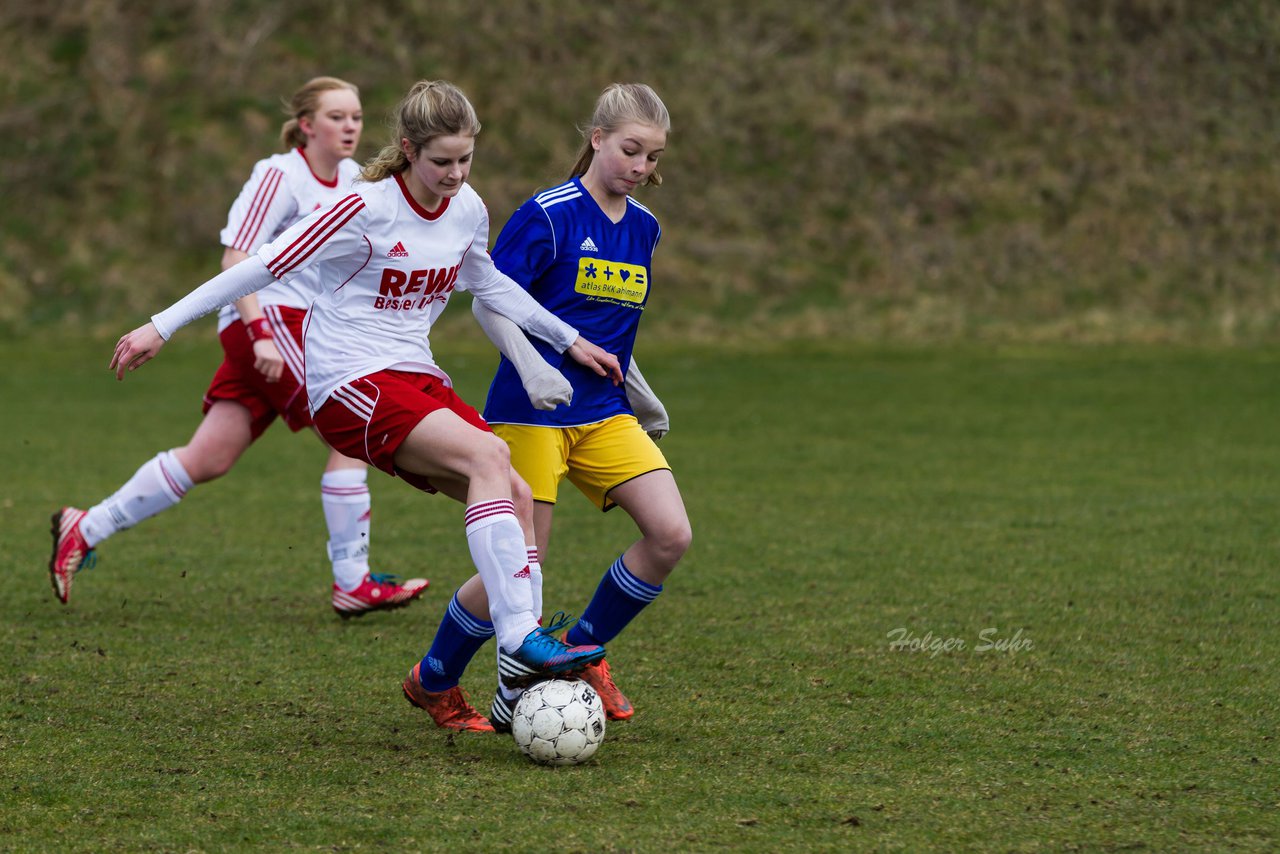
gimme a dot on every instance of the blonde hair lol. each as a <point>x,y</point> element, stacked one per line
<point>433,108</point>
<point>305,102</point>
<point>617,105</point>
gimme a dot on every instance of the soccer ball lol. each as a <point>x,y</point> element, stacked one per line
<point>558,722</point>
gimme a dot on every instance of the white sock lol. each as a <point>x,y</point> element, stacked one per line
<point>157,485</point>
<point>535,579</point>
<point>347,510</point>
<point>499,553</point>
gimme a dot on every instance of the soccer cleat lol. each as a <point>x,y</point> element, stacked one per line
<point>501,711</point>
<point>449,709</point>
<point>377,592</point>
<point>70,551</point>
<point>543,656</point>
<point>616,705</point>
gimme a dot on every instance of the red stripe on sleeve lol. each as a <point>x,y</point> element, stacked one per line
<point>258,209</point>
<point>316,235</point>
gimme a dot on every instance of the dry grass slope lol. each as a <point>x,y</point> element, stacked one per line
<point>1054,169</point>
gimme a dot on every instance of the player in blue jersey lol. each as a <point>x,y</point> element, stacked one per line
<point>584,250</point>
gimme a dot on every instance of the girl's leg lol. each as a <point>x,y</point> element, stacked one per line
<point>161,482</point>
<point>344,495</point>
<point>653,500</point>
<point>474,466</point>
<point>635,579</point>
<point>348,511</point>
<point>223,435</point>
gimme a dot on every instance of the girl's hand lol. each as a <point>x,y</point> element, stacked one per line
<point>136,349</point>
<point>267,359</point>
<point>604,364</point>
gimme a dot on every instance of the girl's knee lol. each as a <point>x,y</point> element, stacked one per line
<point>487,458</point>
<point>493,452</point>
<point>671,541</point>
<point>681,537</point>
<point>520,491</point>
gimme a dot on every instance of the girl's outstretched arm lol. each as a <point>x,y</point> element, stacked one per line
<point>142,344</point>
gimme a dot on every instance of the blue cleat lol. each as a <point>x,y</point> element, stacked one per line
<point>559,624</point>
<point>543,656</point>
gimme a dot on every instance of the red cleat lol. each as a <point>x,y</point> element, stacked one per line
<point>377,592</point>
<point>70,551</point>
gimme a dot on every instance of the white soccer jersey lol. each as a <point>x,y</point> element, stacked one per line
<point>384,269</point>
<point>281,190</point>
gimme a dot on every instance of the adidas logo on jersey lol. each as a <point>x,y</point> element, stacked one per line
<point>398,251</point>
<point>589,245</point>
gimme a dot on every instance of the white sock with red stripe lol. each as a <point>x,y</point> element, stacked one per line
<point>535,579</point>
<point>498,550</point>
<point>157,485</point>
<point>347,511</point>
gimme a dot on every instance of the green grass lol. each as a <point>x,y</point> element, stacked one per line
<point>1116,507</point>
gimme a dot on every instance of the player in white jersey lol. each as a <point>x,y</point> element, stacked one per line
<point>261,374</point>
<point>386,259</point>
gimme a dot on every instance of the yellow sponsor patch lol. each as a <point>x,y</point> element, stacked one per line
<point>612,280</point>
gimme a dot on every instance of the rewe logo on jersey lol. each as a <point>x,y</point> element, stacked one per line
<point>398,251</point>
<point>588,245</point>
<point>401,289</point>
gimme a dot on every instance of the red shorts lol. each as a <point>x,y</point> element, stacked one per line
<point>368,419</point>
<point>236,379</point>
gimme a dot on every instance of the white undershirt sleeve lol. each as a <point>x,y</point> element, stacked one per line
<point>649,410</point>
<point>249,276</point>
<point>500,293</point>
<point>546,387</point>
<point>504,296</point>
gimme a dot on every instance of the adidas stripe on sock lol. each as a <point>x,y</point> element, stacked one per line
<point>457,640</point>
<point>618,599</point>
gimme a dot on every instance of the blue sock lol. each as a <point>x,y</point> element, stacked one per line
<point>619,598</point>
<point>459,638</point>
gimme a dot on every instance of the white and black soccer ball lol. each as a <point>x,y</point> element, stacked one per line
<point>558,722</point>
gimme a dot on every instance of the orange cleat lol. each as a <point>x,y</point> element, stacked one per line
<point>449,709</point>
<point>616,705</point>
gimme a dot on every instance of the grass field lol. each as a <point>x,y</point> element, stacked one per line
<point>956,599</point>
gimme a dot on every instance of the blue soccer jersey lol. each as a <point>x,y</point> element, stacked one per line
<point>593,274</point>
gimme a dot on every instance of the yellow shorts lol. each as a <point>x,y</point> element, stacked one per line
<point>595,457</point>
